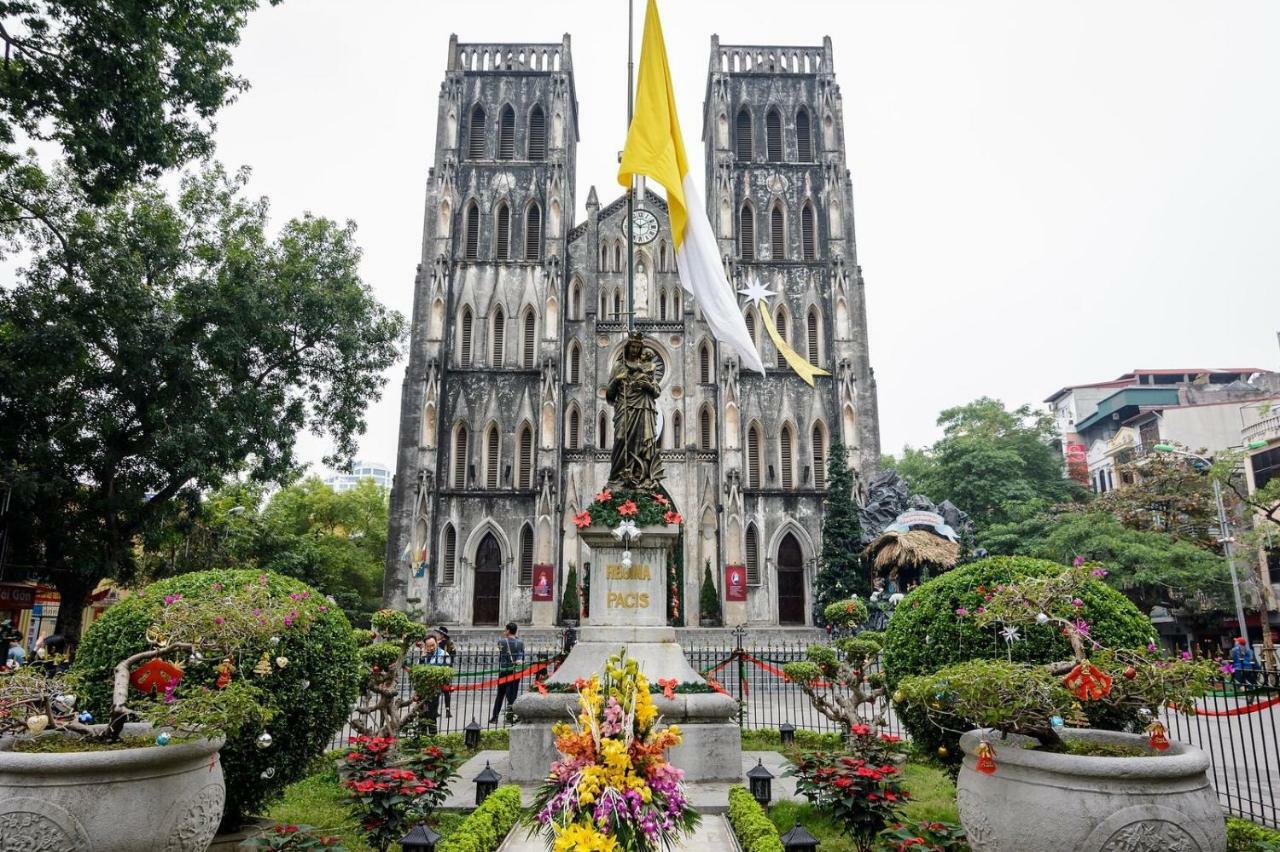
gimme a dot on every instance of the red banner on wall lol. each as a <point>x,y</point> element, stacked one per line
<point>543,589</point>
<point>735,582</point>
<point>14,596</point>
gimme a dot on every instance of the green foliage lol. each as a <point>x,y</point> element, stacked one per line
<point>390,791</point>
<point>926,836</point>
<point>570,602</point>
<point>1009,697</point>
<point>709,599</point>
<point>379,655</point>
<point>485,828</point>
<point>1245,836</point>
<point>289,837</point>
<point>770,739</point>
<point>427,681</point>
<point>925,634</point>
<point>849,612</point>
<point>223,711</point>
<point>311,696</point>
<point>180,344</point>
<point>645,509</point>
<point>857,649</point>
<point>824,656</point>
<point>840,572</point>
<point>751,825</point>
<point>864,795</point>
<point>802,672</point>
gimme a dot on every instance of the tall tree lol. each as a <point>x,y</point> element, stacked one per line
<point>155,346</point>
<point>841,571</point>
<point>127,89</point>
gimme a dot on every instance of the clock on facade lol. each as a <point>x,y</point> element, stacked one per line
<point>645,226</point>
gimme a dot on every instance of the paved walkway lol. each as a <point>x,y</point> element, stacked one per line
<point>713,835</point>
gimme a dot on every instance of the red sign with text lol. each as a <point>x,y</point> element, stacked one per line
<point>13,596</point>
<point>735,582</point>
<point>542,583</point>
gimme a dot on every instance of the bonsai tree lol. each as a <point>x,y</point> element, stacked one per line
<point>709,598</point>
<point>570,603</point>
<point>1039,700</point>
<point>841,679</point>
<point>383,711</point>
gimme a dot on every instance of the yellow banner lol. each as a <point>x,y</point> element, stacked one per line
<point>798,364</point>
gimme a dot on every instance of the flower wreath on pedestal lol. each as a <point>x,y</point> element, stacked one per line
<point>613,788</point>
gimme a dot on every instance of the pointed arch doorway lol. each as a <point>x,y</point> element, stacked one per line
<point>485,605</point>
<point>791,605</point>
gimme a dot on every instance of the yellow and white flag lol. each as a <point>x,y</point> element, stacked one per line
<point>655,148</point>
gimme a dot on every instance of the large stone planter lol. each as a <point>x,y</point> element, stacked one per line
<point>156,799</point>
<point>1069,803</point>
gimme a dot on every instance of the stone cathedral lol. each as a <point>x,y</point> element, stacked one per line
<point>520,312</point>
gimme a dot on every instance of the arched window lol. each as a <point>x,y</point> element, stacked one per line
<point>773,135</point>
<point>812,329</point>
<point>537,134</point>
<point>743,135</point>
<point>533,232</point>
<point>525,577</point>
<point>507,134</point>
<point>471,240</point>
<point>524,464</point>
<point>575,301</point>
<point>460,457</point>
<point>746,233</point>
<point>502,232</point>
<point>575,362</point>
<point>808,241</point>
<point>604,306</point>
<point>617,304</point>
<point>804,137</point>
<point>449,556</point>
<point>574,429</point>
<point>529,348</point>
<point>751,326</point>
<point>785,457</point>
<point>781,324</point>
<point>753,456</point>
<point>819,444</point>
<point>777,233</point>
<point>602,432</point>
<point>704,364</point>
<point>464,343</point>
<point>604,258</point>
<point>662,305</point>
<point>498,332</point>
<point>677,431</point>
<point>617,257</point>
<point>753,556</point>
<point>491,457</point>
<point>705,438</point>
<point>475,134</point>
<point>675,305</point>
<point>662,256</point>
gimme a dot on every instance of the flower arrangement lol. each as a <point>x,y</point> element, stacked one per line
<point>389,795</point>
<point>613,788</point>
<point>1040,700</point>
<point>642,508</point>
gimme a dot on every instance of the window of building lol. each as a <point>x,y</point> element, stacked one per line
<point>662,305</point>
<point>677,431</point>
<point>602,431</point>
<point>705,438</point>
<point>499,326</point>
<point>502,232</point>
<point>785,457</point>
<point>743,136</point>
<point>751,326</point>
<point>804,137</point>
<point>529,341</point>
<point>471,240</point>
<point>524,465</point>
<point>491,457</point>
<point>475,134</point>
<point>464,347</point>
<point>575,301</point>
<point>753,556</point>
<point>746,233</point>
<point>773,135</point>
<point>704,364</point>
<point>575,429</point>
<point>507,134</point>
<point>460,457</point>
<point>819,442</point>
<point>449,560</point>
<point>533,232</point>
<point>812,329</point>
<point>617,257</point>
<point>537,134</point>
<point>781,324</point>
<point>777,233</point>
<point>575,363</point>
<point>808,244</point>
<point>1266,465</point>
<point>617,304</point>
<point>526,556</point>
<point>753,456</point>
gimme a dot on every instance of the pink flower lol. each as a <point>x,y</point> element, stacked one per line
<point>1186,655</point>
<point>628,508</point>
<point>1099,572</point>
<point>1227,668</point>
<point>961,611</point>
<point>218,619</point>
<point>673,517</point>
<point>1077,603</point>
<point>1082,627</point>
<point>1078,561</point>
<point>217,587</point>
<point>171,599</point>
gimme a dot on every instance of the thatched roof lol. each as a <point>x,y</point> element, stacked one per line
<point>912,549</point>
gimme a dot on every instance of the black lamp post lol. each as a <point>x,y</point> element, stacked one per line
<point>486,783</point>
<point>787,732</point>
<point>799,840</point>
<point>420,839</point>
<point>761,781</point>
<point>471,735</point>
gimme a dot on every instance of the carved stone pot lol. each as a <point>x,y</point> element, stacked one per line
<point>1072,803</point>
<point>155,799</point>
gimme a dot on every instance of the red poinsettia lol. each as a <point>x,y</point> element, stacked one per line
<point>628,508</point>
<point>604,496</point>
<point>582,519</point>
<point>673,517</point>
<point>660,500</point>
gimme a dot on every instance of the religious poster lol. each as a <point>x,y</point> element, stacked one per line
<point>735,582</point>
<point>542,590</point>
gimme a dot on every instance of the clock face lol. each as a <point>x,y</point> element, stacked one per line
<point>645,225</point>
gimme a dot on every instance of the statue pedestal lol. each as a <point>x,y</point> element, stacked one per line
<point>628,610</point>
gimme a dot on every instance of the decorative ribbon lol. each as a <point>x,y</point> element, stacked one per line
<point>1240,711</point>
<point>485,684</point>
<point>795,360</point>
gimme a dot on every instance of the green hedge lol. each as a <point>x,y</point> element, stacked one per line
<point>754,830</point>
<point>925,634</point>
<point>1244,836</point>
<point>488,825</point>
<point>313,694</point>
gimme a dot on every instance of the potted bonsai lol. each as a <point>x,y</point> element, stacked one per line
<point>150,769</point>
<point>383,710</point>
<point>1032,779</point>
<point>709,600</point>
<point>842,680</point>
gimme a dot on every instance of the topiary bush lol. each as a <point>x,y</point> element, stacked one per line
<point>488,825</point>
<point>312,693</point>
<point>750,823</point>
<point>931,629</point>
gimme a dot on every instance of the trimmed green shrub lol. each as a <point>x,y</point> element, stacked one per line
<point>570,603</point>
<point>846,613</point>
<point>926,634</point>
<point>754,830</point>
<point>487,826</point>
<point>1245,836</point>
<point>312,694</point>
<point>708,598</point>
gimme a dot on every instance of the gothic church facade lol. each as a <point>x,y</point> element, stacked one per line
<point>520,312</point>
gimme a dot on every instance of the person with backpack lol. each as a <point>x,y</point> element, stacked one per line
<point>510,655</point>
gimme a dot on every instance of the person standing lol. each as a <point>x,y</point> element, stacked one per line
<point>510,655</point>
<point>1244,664</point>
<point>434,655</point>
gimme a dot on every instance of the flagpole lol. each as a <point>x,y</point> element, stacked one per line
<point>631,194</point>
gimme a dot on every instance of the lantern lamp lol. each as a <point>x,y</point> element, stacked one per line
<point>761,781</point>
<point>787,732</point>
<point>486,783</point>
<point>420,839</point>
<point>471,735</point>
<point>799,840</point>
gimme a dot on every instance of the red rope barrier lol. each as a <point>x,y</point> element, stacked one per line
<point>533,669</point>
<point>1240,711</point>
<point>779,673</point>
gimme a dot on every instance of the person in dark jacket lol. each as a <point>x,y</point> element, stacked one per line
<point>510,655</point>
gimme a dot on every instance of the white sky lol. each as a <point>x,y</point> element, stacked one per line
<point>1046,193</point>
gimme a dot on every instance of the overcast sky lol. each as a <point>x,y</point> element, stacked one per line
<point>1046,193</point>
